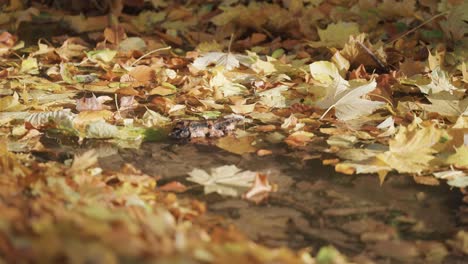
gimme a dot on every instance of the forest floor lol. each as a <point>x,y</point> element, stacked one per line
<point>234,132</point>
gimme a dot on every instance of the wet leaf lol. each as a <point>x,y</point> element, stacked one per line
<point>240,146</point>
<point>225,180</point>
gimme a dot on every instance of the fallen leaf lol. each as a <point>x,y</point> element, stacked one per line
<point>92,103</point>
<point>228,60</point>
<point>173,186</point>
<point>343,96</point>
<point>239,146</point>
<point>259,190</point>
<point>336,35</point>
<point>411,150</point>
<point>460,157</point>
<point>225,180</point>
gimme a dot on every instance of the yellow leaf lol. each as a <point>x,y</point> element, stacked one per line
<point>235,145</point>
<point>29,66</point>
<point>86,117</point>
<point>412,149</point>
<point>243,109</point>
<point>10,103</point>
<point>336,35</point>
<point>460,158</point>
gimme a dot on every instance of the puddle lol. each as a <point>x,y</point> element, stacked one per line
<point>314,206</point>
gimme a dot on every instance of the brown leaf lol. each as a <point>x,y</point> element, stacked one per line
<point>142,73</point>
<point>173,186</point>
<point>259,190</point>
<point>235,145</point>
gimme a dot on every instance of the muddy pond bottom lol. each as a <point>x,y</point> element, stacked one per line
<point>397,222</point>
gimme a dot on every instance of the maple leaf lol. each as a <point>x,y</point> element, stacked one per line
<point>227,87</point>
<point>455,27</point>
<point>411,150</point>
<point>274,97</point>
<point>29,66</point>
<point>228,60</point>
<point>236,145</point>
<point>439,83</point>
<point>446,104</point>
<point>460,157</point>
<point>342,95</point>
<point>454,178</point>
<point>336,35</point>
<point>225,180</point>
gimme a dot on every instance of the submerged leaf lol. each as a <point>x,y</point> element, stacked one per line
<point>225,180</point>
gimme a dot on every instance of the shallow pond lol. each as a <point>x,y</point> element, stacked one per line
<point>399,221</point>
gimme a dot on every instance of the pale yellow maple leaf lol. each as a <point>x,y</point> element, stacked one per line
<point>411,150</point>
<point>460,157</point>
<point>225,180</point>
<point>336,35</point>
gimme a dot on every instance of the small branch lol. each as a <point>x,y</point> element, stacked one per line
<point>149,53</point>
<point>373,56</point>
<point>416,28</point>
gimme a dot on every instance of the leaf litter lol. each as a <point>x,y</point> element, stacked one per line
<point>376,87</point>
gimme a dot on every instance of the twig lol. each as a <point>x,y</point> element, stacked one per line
<point>373,56</point>
<point>149,53</point>
<point>416,28</point>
